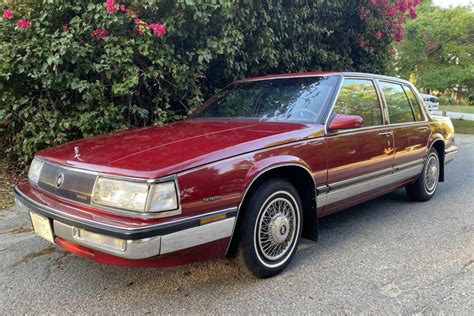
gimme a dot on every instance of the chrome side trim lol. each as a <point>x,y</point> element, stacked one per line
<point>347,188</point>
<point>197,236</point>
<point>134,249</point>
<point>449,156</point>
<point>373,183</point>
<point>362,178</point>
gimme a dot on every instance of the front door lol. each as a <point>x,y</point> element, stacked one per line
<point>358,159</point>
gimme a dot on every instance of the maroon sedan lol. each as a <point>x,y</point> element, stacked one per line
<point>248,174</point>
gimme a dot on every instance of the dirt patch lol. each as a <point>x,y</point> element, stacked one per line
<point>33,255</point>
<point>19,230</point>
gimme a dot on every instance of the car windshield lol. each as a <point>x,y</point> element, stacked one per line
<point>299,99</point>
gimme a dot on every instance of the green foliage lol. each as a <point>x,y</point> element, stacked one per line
<point>59,83</point>
<point>438,50</point>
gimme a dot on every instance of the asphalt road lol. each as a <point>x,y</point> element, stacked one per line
<point>386,256</point>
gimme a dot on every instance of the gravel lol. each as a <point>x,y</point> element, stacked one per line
<point>387,256</point>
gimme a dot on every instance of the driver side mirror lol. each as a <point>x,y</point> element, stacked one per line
<point>343,121</point>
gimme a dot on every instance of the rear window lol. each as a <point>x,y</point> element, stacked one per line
<point>414,103</point>
<point>399,107</point>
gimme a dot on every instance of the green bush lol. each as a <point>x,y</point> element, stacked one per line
<point>446,100</point>
<point>78,70</point>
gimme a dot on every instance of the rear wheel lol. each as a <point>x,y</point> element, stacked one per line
<point>425,186</point>
<point>270,228</point>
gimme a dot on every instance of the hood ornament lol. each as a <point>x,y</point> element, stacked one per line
<point>77,155</point>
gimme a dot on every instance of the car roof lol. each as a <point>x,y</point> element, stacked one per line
<point>323,73</point>
<point>428,95</point>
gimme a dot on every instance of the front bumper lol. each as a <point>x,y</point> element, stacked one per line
<point>136,242</point>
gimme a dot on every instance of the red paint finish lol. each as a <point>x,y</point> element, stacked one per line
<point>357,153</point>
<point>411,142</point>
<point>155,152</point>
<point>216,161</point>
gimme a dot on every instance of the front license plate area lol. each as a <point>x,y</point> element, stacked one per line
<point>42,226</point>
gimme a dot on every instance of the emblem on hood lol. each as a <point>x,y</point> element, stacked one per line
<point>77,155</point>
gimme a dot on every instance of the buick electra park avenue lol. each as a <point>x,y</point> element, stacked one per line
<point>247,175</point>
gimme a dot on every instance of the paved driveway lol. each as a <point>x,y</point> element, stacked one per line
<point>385,256</point>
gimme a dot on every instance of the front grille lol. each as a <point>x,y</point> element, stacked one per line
<point>76,185</point>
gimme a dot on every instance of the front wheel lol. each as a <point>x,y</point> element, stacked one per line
<point>270,228</point>
<point>425,186</point>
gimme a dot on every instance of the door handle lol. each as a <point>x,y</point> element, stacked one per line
<point>385,134</point>
<point>423,128</point>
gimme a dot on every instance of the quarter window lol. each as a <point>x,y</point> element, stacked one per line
<point>359,97</point>
<point>414,103</point>
<point>399,108</point>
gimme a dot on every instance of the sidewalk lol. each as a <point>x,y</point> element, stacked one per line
<point>455,115</point>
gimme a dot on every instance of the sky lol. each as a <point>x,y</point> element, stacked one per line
<point>447,3</point>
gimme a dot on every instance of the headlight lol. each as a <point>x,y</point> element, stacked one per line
<point>35,171</point>
<point>135,196</point>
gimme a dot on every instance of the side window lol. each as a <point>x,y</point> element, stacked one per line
<point>414,103</point>
<point>399,108</point>
<point>359,97</point>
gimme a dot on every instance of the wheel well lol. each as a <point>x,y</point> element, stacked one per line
<point>304,184</point>
<point>439,146</point>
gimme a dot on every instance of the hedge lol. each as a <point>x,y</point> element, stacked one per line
<point>73,69</point>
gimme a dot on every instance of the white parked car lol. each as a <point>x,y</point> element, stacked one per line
<point>431,101</point>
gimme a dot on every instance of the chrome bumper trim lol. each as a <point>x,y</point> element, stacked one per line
<point>197,236</point>
<point>449,156</point>
<point>153,246</point>
<point>134,249</point>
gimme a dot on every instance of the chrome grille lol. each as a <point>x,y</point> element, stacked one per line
<point>76,185</point>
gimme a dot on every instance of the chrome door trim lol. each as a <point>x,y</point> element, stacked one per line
<point>354,186</point>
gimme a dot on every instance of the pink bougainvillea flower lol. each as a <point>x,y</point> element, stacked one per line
<point>378,35</point>
<point>158,29</point>
<point>399,33</point>
<point>23,23</point>
<point>123,8</point>
<point>402,5</point>
<point>137,21</point>
<point>66,26</point>
<point>110,6</point>
<point>391,11</point>
<point>100,33</point>
<point>412,13</point>
<point>7,14</point>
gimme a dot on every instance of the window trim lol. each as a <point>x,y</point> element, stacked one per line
<point>331,109</point>
<point>406,96</point>
<point>405,86</point>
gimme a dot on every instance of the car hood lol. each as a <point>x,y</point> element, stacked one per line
<point>158,151</point>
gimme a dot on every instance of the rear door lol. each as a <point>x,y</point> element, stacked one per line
<point>357,158</point>
<point>410,127</point>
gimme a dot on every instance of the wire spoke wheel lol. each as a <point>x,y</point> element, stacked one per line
<point>432,173</point>
<point>276,229</point>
